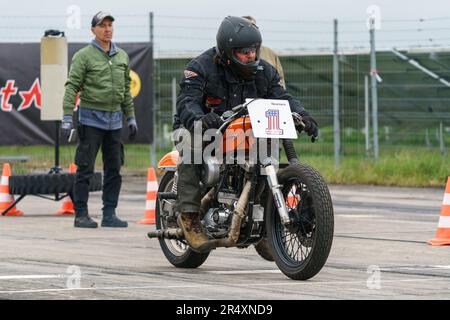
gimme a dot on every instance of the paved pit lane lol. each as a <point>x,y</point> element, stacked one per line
<point>379,252</point>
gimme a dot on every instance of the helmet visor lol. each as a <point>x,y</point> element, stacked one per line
<point>245,51</point>
<point>245,55</point>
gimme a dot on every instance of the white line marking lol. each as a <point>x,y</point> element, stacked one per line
<point>442,267</point>
<point>309,283</point>
<point>104,288</point>
<point>36,276</point>
<point>243,271</point>
<point>358,216</point>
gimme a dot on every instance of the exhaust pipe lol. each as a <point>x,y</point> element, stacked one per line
<point>235,228</point>
<point>238,216</point>
<point>177,233</point>
<point>173,233</point>
<point>204,204</point>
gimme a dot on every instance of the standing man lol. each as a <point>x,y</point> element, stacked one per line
<point>100,73</point>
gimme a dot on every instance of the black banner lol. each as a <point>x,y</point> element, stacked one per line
<point>20,93</point>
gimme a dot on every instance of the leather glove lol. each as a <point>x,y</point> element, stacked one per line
<point>211,121</point>
<point>311,126</point>
<point>66,126</point>
<point>132,126</point>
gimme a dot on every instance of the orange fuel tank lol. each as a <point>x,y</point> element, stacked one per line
<point>238,135</point>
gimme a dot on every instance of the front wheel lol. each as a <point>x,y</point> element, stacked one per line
<point>301,249</point>
<point>177,252</point>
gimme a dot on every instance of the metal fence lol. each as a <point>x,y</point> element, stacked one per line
<point>413,95</point>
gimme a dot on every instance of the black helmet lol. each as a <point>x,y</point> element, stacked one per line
<point>237,32</point>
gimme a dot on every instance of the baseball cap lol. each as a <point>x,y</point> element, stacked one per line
<point>99,17</point>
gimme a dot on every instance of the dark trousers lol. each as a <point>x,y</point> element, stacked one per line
<point>189,192</point>
<point>90,140</point>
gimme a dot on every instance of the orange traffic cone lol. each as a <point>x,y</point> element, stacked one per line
<point>150,204</point>
<point>67,206</point>
<point>443,232</point>
<point>7,199</point>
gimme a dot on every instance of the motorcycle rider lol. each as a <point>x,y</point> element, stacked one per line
<point>215,81</point>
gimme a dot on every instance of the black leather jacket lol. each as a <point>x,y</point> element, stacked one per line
<point>208,85</point>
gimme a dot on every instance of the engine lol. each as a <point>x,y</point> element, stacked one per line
<point>218,219</point>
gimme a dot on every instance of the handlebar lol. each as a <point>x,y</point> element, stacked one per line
<point>240,107</point>
<point>298,121</point>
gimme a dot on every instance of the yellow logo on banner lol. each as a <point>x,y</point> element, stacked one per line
<point>135,84</point>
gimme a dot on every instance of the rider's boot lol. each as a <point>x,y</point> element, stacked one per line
<point>194,232</point>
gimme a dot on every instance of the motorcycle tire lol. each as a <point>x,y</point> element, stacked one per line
<point>37,184</point>
<point>177,252</point>
<point>301,250</point>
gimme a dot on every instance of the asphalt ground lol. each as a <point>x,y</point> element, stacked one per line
<point>379,252</point>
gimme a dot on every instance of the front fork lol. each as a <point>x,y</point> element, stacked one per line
<point>277,194</point>
<point>275,186</point>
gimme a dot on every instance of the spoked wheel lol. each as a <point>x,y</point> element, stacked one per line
<point>301,249</point>
<point>176,251</point>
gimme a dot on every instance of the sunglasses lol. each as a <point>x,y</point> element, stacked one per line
<point>246,50</point>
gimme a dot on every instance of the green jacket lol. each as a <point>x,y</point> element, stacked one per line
<point>103,82</point>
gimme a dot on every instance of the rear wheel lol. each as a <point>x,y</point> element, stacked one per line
<point>176,251</point>
<point>301,249</point>
<point>262,247</point>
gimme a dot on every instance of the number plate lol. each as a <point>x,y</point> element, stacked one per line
<point>271,119</point>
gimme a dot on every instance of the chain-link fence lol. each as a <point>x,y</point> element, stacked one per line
<point>413,105</point>
<point>413,92</point>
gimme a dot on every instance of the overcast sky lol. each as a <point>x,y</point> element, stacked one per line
<point>279,9</point>
<point>192,25</point>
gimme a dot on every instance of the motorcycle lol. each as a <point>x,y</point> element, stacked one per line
<point>286,213</point>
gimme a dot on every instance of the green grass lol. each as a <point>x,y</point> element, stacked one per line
<point>407,168</point>
<point>42,158</point>
<point>397,166</point>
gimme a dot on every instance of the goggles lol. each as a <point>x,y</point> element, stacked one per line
<point>245,50</point>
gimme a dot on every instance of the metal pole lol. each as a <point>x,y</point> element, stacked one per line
<point>373,73</point>
<point>366,115</point>
<point>56,168</point>
<point>152,94</point>
<point>336,123</point>
<point>174,96</point>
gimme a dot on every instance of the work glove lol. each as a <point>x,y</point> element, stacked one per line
<point>311,127</point>
<point>66,126</point>
<point>211,121</point>
<point>132,126</point>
